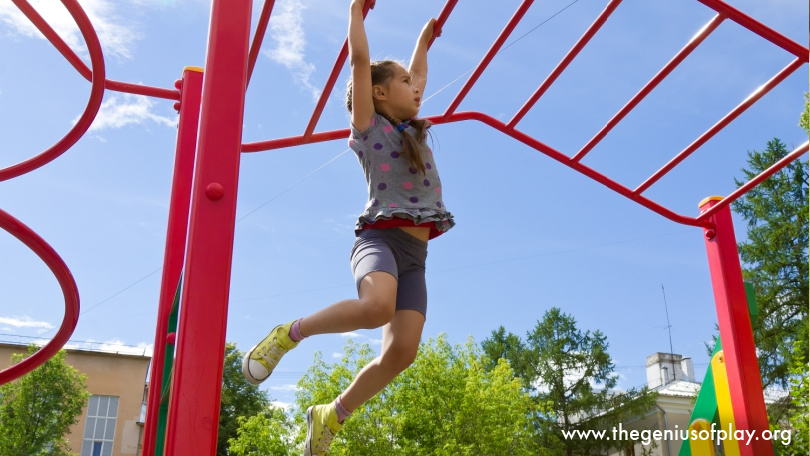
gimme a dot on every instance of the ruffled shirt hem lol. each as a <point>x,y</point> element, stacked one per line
<point>442,221</point>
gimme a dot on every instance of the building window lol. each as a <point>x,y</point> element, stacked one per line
<point>99,429</point>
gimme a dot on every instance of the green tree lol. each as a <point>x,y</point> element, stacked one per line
<point>37,409</point>
<point>791,367</point>
<point>800,380</point>
<point>446,404</point>
<point>796,420</point>
<point>240,398</point>
<point>507,346</point>
<point>570,373</point>
<point>775,259</point>
<point>267,433</point>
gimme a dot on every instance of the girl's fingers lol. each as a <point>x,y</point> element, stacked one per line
<point>437,30</point>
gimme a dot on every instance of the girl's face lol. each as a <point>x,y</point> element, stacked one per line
<point>403,97</point>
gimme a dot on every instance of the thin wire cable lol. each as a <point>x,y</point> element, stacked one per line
<point>292,186</point>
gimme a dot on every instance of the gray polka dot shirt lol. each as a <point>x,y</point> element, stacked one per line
<point>395,188</point>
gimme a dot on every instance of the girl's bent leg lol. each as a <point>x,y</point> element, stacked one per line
<point>400,345</point>
<point>375,307</point>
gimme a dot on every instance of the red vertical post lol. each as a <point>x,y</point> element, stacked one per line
<point>190,87</point>
<point>736,335</point>
<point>197,379</point>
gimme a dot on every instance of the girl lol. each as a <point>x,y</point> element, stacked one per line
<point>404,210</point>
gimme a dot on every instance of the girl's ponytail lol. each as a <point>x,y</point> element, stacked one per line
<point>412,144</point>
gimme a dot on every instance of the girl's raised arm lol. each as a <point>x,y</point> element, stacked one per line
<point>360,61</point>
<point>419,65</point>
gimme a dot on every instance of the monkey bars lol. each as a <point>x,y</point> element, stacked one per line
<point>202,210</point>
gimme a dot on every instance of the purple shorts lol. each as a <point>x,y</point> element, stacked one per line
<point>399,254</point>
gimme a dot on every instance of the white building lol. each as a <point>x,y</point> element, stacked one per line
<point>673,378</point>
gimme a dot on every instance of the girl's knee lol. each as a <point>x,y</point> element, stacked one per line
<point>378,312</point>
<point>399,358</point>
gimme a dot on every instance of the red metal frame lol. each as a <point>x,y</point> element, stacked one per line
<point>197,378</point>
<point>230,62</point>
<point>179,206</point>
<point>742,367</point>
<point>724,11</point>
<point>96,90</point>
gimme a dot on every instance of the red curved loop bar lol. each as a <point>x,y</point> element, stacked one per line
<point>93,104</point>
<point>69,289</point>
<point>77,63</point>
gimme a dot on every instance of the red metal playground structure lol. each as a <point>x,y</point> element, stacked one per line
<point>187,360</point>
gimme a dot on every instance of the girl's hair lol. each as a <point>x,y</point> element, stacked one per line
<point>381,72</point>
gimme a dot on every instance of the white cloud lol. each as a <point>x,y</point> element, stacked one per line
<point>337,355</point>
<point>282,405</point>
<point>287,33</point>
<point>121,110</point>
<point>116,37</point>
<point>25,322</point>
<point>113,346</point>
<point>284,388</point>
<point>119,347</point>
<point>570,378</point>
<point>349,334</point>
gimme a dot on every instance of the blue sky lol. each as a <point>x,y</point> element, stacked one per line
<point>530,234</point>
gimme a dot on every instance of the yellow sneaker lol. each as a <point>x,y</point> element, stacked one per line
<point>322,425</point>
<point>260,361</point>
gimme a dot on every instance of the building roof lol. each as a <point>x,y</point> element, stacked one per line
<point>680,388</point>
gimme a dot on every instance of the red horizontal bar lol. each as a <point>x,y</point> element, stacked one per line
<point>261,29</point>
<point>513,22</point>
<point>753,98</point>
<point>295,140</point>
<point>569,57</point>
<point>77,63</point>
<point>773,169</point>
<point>442,19</point>
<point>668,68</point>
<point>330,82</point>
<point>757,27</point>
<point>138,89</point>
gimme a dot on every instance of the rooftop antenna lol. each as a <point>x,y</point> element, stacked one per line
<point>669,330</point>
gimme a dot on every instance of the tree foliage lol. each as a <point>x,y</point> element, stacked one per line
<point>267,433</point>
<point>37,410</point>
<point>796,419</point>
<point>445,404</point>
<point>775,259</point>
<point>570,374</point>
<point>240,398</point>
